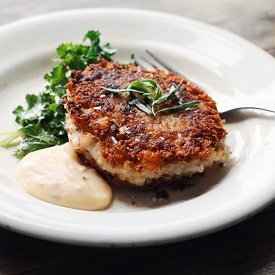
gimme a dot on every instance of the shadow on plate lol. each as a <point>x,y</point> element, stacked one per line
<point>131,199</point>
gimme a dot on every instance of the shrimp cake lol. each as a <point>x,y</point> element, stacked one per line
<point>130,147</point>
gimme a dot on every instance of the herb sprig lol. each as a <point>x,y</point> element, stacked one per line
<point>148,96</point>
<point>43,120</point>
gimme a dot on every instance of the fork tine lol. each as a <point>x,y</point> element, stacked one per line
<point>138,64</point>
<point>162,63</point>
<point>148,62</point>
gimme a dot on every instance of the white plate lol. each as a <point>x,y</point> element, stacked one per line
<point>230,69</point>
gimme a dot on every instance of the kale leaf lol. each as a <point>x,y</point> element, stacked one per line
<point>43,120</point>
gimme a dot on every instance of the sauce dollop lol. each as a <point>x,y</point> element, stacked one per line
<point>57,175</point>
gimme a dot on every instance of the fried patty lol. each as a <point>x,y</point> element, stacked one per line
<point>131,147</point>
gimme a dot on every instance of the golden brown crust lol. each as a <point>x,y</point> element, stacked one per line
<point>128,135</point>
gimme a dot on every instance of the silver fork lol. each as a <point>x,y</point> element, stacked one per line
<point>223,114</point>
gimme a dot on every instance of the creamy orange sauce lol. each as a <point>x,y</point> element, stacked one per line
<point>56,175</point>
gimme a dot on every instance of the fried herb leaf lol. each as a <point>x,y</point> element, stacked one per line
<point>148,96</point>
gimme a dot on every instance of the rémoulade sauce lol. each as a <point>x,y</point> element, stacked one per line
<point>56,175</point>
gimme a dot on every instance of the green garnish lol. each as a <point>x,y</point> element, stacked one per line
<point>43,120</point>
<point>147,95</point>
